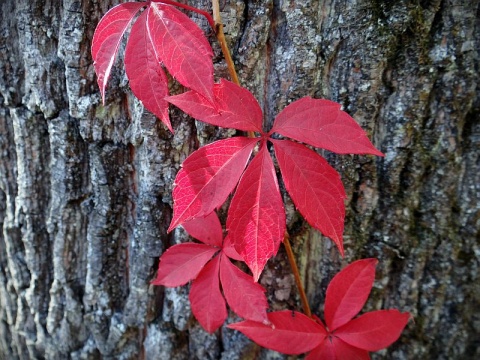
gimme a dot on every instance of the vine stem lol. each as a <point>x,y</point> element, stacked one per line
<point>223,44</point>
<point>217,26</point>
<point>296,274</point>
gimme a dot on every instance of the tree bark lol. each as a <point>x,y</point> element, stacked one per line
<point>85,188</point>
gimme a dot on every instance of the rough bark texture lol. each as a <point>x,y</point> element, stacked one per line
<point>85,189</point>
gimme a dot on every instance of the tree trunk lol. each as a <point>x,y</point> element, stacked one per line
<point>85,189</point>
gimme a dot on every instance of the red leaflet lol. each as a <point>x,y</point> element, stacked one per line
<point>107,38</point>
<point>181,263</point>
<point>245,297</point>
<point>206,300</point>
<point>321,123</point>
<point>348,291</point>
<point>315,188</point>
<point>147,78</point>
<point>207,229</point>
<point>208,176</point>
<point>181,46</point>
<point>234,107</point>
<point>370,332</point>
<point>336,349</point>
<point>289,332</point>
<point>374,330</point>
<point>256,218</point>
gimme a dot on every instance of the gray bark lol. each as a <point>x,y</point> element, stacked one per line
<point>85,189</point>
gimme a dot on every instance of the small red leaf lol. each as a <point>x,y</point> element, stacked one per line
<point>289,332</point>
<point>229,249</point>
<point>333,348</point>
<point>256,217</point>
<point>348,291</point>
<point>325,351</point>
<point>322,124</point>
<point>206,229</point>
<point>374,330</point>
<point>208,176</point>
<point>182,263</point>
<point>245,297</point>
<point>315,188</point>
<point>234,107</point>
<point>181,46</point>
<point>147,78</point>
<point>206,300</point>
<point>107,38</point>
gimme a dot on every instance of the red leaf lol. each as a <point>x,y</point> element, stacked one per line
<point>229,249</point>
<point>107,38</point>
<point>206,300</point>
<point>147,78</point>
<point>234,107</point>
<point>181,263</point>
<point>333,348</point>
<point>348,291</point>
<point>181,46</point>
<point>206,229</point>
<point>321,123</point>
<point>315,188</point>
<point>208,176</point>
<point>374,330</point>
<point>256,217</point>
<point>290,332</point>
<point>325,351</point>
<point>245,297</point>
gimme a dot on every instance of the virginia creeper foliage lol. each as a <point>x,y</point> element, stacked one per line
<point>192,261</point>
<point>342,337</point>
<point>162,37</point>
<point>256,217</point>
